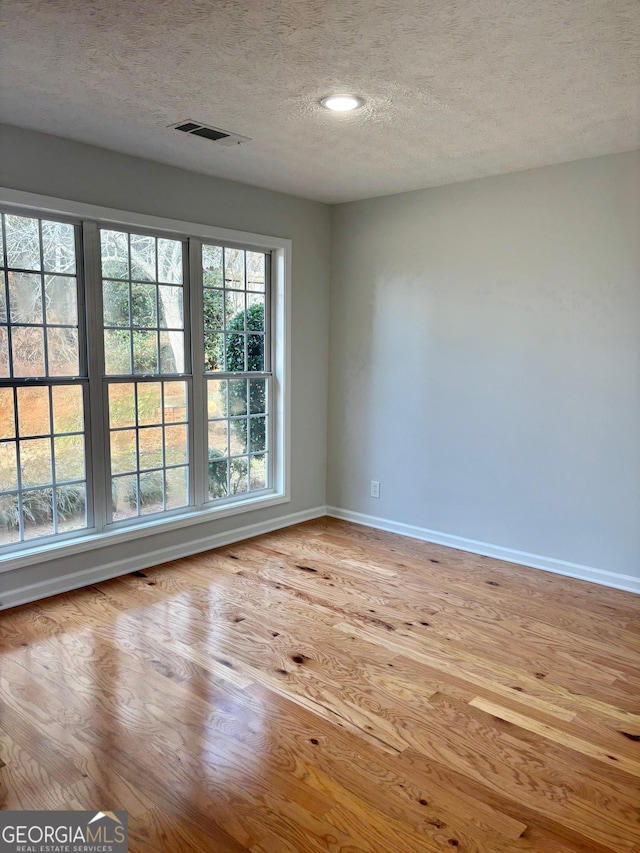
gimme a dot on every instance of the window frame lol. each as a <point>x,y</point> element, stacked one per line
<point>90,218</point>
<point>105,380</point>
<point>266,374</point>
<point>50,381</point>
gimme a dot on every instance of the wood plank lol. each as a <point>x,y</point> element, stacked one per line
<point>622,762</point>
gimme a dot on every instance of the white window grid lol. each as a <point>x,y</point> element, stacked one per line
<point>92,378</point>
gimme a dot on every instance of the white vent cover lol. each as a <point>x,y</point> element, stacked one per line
<point>213,134</point>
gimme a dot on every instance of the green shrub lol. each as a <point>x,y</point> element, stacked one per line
<point>70,501</point>
<point>255,362</point>
<point>150,492</point>
<point>217,474</point>
<point>151,488</point>
<point>37,506</point>
<point>255,349</point>
<point>213,302</point>
<point>218,467</point>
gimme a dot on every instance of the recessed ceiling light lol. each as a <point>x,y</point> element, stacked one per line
<point>342,103</point>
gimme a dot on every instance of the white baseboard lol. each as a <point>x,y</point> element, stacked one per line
<point>522,558</point>
<point>106,571</point>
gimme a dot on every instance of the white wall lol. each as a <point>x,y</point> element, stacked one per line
<point>485,362</point>
<point>56,167</point>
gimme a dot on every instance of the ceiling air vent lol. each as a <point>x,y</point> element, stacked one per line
<point>213,134</point>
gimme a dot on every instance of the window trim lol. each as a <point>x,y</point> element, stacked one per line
<point>281,250</point>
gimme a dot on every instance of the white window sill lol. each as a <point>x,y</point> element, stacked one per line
<point>32,555</point>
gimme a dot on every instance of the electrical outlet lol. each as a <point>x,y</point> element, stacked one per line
<point>375,489</point>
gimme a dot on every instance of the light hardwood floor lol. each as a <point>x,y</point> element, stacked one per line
<point>331,688</point>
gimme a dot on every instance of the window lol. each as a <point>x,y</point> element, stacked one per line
<point>144,336</point>
<point>236,347</point>
<point>141,375</point>
<point>43,484</point>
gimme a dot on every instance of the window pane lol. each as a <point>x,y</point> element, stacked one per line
<point>171,352</point>
<point>235,344</point>
<point>71,507</point>
<point>149,403</point>
<point>238,475</point>
<point>115,303</point>
<point>124,494</point>
<point>175,437</point>
<point>255,312</point>
<point>176,487</point>
<point>37,513</point>
<point>8,467</point>
<point>145,352</point>
<point>35,462</point>
<point>62,351</point>
<point>60,300</point>
<point>150,444</point>
<point>23,242</point>
<point>3,297</point>
<point>257,396</point>
<point>170,307</point>
<point>143,306</point>
<point>234,268</point>
<point>117,351</point>
<point>255,350</point>
<point>58,247</point>
<point>4,353</point>
<point>175,401</point>
<point>69,458</point>
<point>124,456</point>
<point>25,297</point>
<point>170,261</point>
<point>218,476</point>
<point>9,519</point>
<point>238,436</point>
<point>7,422</point>
<point>143,257</point>
<point>115,254</point>
<point>235,313</point>
<point>255,271</point>
<point>28,351</point>
<point>151,494</point>
<point>257,433</point>
<point>122,405</point>
<point>212,266</point>
<point>258,472</point>
<point>217,398</point>
<point>68,415</point>
<point>213,351</point>
<point>237,396</point>
<point>213,302</point>
<point>219,437</point>
<point>33,411</point>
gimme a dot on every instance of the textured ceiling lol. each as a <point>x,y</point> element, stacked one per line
<point>455,89</point>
